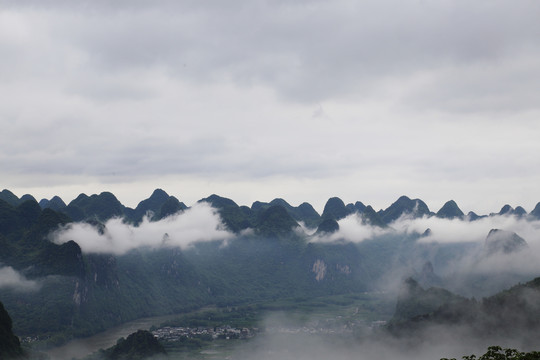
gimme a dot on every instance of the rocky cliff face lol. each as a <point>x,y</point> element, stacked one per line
<point>10,346</point>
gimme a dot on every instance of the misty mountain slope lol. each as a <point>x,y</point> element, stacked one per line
<point>404,205</point>
<point>23,230</point>
<point>501,260</point>
<point>254,268</point>
<point>511,316</point>
<point>506,242</point>
<point>413,300</point>
<point>233,216</point>
<point>304,212</point>
<point>160,267</point>
<point>159,205</point>
<point>535,213</point>
<point>371,217</point>
<point>62,290</point>
<point>327,226</point>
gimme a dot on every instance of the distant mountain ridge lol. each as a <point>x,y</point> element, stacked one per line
<point>269,257</point>
<point>105,205</point>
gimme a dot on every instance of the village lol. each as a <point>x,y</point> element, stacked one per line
<point>169,333</point>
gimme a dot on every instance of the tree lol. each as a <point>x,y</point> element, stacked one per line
<point>498,353</point>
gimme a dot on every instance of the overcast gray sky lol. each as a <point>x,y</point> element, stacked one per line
<point>252,100</point>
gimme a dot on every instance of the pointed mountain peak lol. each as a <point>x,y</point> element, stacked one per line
<point>359,206</point>
<point>258,205</point>
<point>281,202</point>
<point>159,194</point>
<point>450,210</point>
<point>81,197</point>
<point>472,216</point>
<point>404,205</point>
<point>536,211</point>
<point>405,199</point>
<point>231,214</point>
<point>335,209</point>
<point>520,211</point>
<point>502,241</point>
<point>154,202</point>
<point>171,206</point>
<point>506,210</point>
<point>9,197</point>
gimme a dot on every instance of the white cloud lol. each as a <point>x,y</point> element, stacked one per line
<point>525,261</point>
<point>198,223</point>
<point>12,279</point>
<point>352,229</point>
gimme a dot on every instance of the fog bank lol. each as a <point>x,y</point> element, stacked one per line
<point>199,223</point>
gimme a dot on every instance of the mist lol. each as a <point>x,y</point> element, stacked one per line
<point>199,223</point>
<point>286,339</point>
<point>12,279</point>
<point>352,228</point>
<point>456,248</point>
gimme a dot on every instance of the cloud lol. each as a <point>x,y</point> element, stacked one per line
<point>257,91</point>
<point>443,231</point>
<point>11,279</point>
<point>352,229</point>
<point>456,230</point>
<point>285,338</point>
<point>198,223</point>
<point>455,246</point>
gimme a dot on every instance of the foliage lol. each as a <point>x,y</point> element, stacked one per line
<point>137,346</point>
<point>275,222</point>
<point>498,353</point>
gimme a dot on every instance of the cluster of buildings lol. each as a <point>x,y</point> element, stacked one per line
<point>169,333</point>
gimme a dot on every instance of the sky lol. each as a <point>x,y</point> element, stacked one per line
<point>253,100</point>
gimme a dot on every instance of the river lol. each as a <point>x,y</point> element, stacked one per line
<point>79,348</point>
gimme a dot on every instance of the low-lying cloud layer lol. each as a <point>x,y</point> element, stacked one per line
<point>11,279</point>
<point>353,229</point>
<point>457,247</point>
<point>198,223</point>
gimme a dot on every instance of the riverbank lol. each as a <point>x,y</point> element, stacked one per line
<point>79,348</point>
